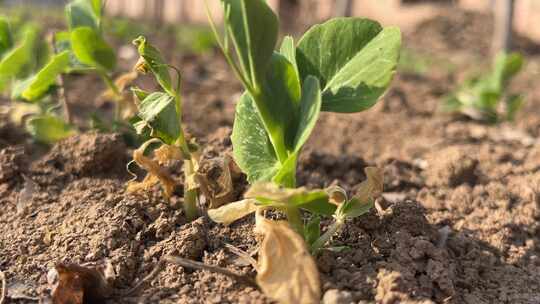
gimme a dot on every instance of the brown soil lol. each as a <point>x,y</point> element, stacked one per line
<point>458,222</point>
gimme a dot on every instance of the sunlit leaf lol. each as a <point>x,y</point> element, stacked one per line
<point>229,213</point>
<point>49,129</point>
<point>354,60</point>
<point>254,29</point>
<point>84,13</point>
<point>18,57</point>
<point>6,40</point>
<point>269,194</point>
<point>91,49</point>
<point>40,83</point>
<point>287,272</point>
<point>155,62</point>
<point>158,110</point>
<point>253,151</point>
<point>310,107</point>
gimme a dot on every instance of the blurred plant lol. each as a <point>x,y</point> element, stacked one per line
<point>82,49</point>
<point>485,97</point>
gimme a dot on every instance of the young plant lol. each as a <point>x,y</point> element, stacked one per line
<point>481,98</point>
<point>160,113</point>
<point>81,49</point>
<point>343,65</point>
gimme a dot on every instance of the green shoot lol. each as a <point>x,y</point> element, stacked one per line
<point>343,65</point>
<point>480,98</point>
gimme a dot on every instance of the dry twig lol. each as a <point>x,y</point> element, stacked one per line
<point>186,263</point>
<point>3,295</point>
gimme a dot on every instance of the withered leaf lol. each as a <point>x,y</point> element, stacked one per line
<point>229,213</point>
<point>215,177</point>
<point>372,187</point>
<point>156,173</point>
<point>123,97</point>
<point>78,285</point>
<point>287,272</point>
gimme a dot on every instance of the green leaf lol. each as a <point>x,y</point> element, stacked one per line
<point>91,49</point>
<point>355,208</point>
<point>158,110</point>
<point>156,63</point>
<point>62,41</point>
<point>310,108</point>
<point>288,50</point>
<point>84,13</point>
<point>13,63</point>
<point>49,129</point>
<point>312,230</point>
<point>286,175</point>
<point>253,151</point>
<point>279,103</point>
<point>270,194</point>
<point>354,60</point>
<point>254,30</point>
<point>513,104</point>
<point>44,79</point>
<point>140,93</point>
<point>6,40</point>
<point>506,66</point>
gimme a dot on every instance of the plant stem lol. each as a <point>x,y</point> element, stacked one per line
<point>294,218</point>
<point>191,195</point>
<point>323,239</point>
<point>118,95</point>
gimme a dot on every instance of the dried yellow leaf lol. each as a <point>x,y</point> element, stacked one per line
<point>372,187</point>
<point>227,214</point>
<point>155,173</point>
<point>287,272</point>
<point>215,177</point>
<point>167,153</point>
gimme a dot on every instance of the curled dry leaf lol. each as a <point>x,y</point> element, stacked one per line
<point>77,285</point>
<point>215,177</point>
<point>287,272</point>
<point>227,214</point>
<point>156,173</point>
<point>167,153</point>
<point>372,187</point>
<point>336,195</point>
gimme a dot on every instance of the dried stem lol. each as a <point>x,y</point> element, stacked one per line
<point>3,295</point>
<point>186,263</point>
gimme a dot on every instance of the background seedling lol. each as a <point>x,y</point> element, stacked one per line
<point>481,98</point>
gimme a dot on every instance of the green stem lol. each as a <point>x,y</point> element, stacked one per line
<point>325,238</point>
<point>190,196</point>
<point>112,86</point>
<point>294,218</point>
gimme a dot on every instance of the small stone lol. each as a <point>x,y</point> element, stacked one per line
<point>335,296</point>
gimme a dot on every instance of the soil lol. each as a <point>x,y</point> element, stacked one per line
<point>458,222</point>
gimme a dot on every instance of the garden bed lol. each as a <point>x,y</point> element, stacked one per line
<point>458,221</point>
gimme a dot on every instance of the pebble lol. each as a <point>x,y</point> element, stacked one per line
<point>334,296</point>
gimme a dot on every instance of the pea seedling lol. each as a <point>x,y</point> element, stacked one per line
<point>480,98</point>
<point>81,49</point>
<point>343,65</point>
<point>161,113</point>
